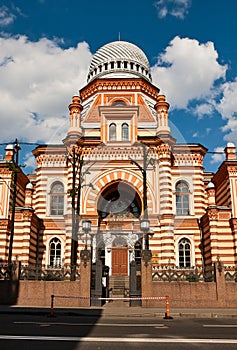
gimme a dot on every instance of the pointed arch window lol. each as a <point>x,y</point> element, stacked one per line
<point>184,253</point>
<point>182,198</point>
<point>112,132</point>
<point>55,252</point>
<point>57,198</point>
<point>125,132</point>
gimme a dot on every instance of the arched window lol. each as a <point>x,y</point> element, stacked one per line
<point>55,252</point>
<point>57,198</point>
<point>182,198</point>
<point>118,103</point>
<point>184,253</point>
<point>125,132</point>
<point>112,132</point>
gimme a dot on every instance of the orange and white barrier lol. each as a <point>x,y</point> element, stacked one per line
<point>166,298</point>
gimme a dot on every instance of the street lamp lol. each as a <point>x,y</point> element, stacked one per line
<point>86,227</point>
<point>14,167</point>
<point>145,226</point>
<point>144,223</point>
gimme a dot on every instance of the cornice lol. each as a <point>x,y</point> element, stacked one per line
<point>112,84</point>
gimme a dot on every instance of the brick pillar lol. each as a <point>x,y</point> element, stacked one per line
<point>146,271</point>
<point>85,276</point>
<point>220,283</point>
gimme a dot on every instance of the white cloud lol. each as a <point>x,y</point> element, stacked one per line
<point>203,109</point>
<point>227,107</point>
<point>187,71</point>
<point>29,161</point>
<point>219,156</point>
<point>228,103</point>
<point>37,82</point>
<point>175,8</point>
<point>6,17</point>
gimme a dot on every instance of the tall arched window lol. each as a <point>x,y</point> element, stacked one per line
<point>125,132</point>
<point>112,132</point>
<point>57,198</point>
<point>55,252</point>
<point>182,198</point>
<point>184,253</point>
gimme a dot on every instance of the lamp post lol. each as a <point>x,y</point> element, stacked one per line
<point>14,168</point>
<point>75,157</point>
<point>144,225</point>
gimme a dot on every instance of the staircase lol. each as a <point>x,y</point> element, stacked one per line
<point>119,286</point>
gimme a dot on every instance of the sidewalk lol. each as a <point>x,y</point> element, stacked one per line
<point>121,311</point>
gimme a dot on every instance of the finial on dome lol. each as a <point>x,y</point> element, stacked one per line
<point>230,151</point>
<point>211,194</point>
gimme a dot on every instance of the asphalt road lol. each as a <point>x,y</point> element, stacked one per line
<point>68,332</point>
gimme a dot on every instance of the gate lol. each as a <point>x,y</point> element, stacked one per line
<point>99,283</point>
<point>135,283</point>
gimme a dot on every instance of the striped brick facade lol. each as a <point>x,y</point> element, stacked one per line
<point>204,217</point>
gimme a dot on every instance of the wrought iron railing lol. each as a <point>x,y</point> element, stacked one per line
<point>177,274</point>
<point>4,272</point>
<point>48,273</point>
<point>230,273</point>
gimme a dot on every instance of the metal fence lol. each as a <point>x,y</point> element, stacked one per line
<point>48,273</point>
<point>177,274</point>
<point>230,273</point>
<point>40,272</point>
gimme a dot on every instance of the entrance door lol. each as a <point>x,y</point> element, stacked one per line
<point>119,261</point>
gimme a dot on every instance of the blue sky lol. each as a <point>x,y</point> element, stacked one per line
<point>46,47</point>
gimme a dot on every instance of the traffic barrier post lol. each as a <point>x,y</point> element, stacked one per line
<point>167,307</point>
<point>51,314</point>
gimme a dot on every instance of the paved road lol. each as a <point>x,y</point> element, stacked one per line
<point>66,332</point>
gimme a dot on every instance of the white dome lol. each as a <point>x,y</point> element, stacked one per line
<point>230,144</point>
<point>210,185</point>
<point>29,186</point>
<point>119,59</point>
<point>9,147</point>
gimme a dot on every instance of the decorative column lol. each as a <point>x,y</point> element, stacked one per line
<point>212,213</point>
<point>75,109</point>
<point>230,151</point>
<point>162,108</point>
<point>233,225</point>
<point>211,194</point>
<point>10,151</point>
<point>166,207</point>
<point>28,195</point>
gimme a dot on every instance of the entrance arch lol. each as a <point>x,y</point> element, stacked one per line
<point>119,199</point>
<point>119,208</point>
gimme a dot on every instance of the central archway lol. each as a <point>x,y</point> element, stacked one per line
<point>119,198</point>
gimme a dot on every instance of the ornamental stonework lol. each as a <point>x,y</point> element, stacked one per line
<point>212,214</point>
<point>188,159</point>
<point>27,215</point>
<point>111,85</point>
<point>224,216</point>
<point>164,151</point>
<point>51,159</point>
<point>232,170</point>
<point>5,171</point>
<point>3,224</point>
